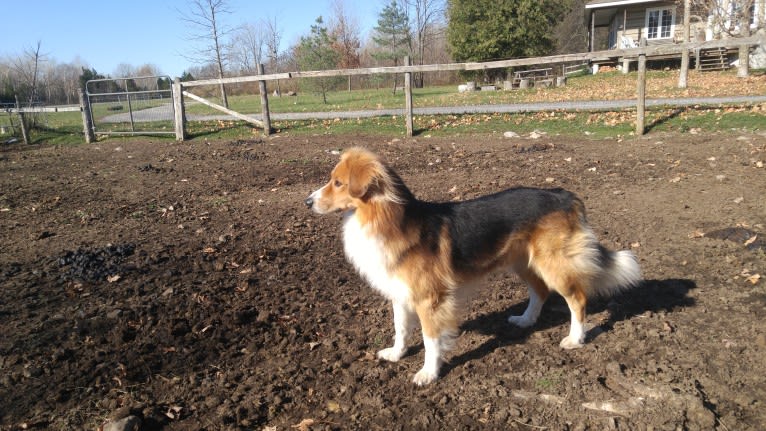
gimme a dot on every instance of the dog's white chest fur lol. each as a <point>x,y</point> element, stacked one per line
<point>367,253</point>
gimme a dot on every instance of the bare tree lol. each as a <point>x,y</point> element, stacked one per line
<point>273,39</point>
<point>55,83</point>
<point>733,18</point>
<point>427,15</point>
<point>570,34</point>
<point>27,67</point>
<point>344,30</point>
<point>204,17</point>
<point>248,47</point>
<point>124,70</point>
<point>70,81</point>
<point>147,76</point>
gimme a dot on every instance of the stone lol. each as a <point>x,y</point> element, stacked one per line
<point>129,423</point>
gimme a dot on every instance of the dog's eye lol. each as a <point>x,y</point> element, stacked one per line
<point>337,183</point>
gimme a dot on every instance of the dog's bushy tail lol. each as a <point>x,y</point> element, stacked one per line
<point>617,271</point>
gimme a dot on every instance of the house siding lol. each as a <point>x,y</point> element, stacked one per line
<point>636,22</point>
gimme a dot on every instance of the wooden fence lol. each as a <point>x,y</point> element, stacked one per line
<point>180,89</point>
<point>639,54</point>
<point>22,111</point>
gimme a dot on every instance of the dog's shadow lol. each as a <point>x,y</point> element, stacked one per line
<point>650,295</point>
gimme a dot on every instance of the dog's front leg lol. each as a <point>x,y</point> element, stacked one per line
<point>433,360</point>
<point>403,320</point>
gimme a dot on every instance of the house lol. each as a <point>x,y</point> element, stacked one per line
<point>618,24</point>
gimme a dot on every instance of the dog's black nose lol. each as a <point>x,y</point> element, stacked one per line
<point>309,202</point>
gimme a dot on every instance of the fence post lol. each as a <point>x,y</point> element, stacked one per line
<point>641,103</point>
<point>264,103</point>
<point>178,110</point>
<point>408,97</point>
<point>22,120</point>
<point>87,121</point>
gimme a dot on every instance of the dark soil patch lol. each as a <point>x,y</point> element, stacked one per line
<point>187,284</point>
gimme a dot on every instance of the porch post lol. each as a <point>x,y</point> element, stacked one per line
<point>592,37</point>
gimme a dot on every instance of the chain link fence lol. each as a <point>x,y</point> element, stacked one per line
<point>131,106</point>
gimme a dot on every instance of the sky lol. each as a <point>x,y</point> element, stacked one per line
<point>106,33</point>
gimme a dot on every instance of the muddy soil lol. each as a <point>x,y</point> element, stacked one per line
<point>188,285</point>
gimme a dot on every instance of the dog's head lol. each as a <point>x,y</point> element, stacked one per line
<point>358,179</point>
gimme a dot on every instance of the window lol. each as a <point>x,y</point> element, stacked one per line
<point>757,10</point>
<point>660,23</point>
<point>736,11</point>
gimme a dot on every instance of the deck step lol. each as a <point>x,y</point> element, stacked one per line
<point>713,59</point>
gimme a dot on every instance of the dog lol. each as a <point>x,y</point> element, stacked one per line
<point>426,257</point>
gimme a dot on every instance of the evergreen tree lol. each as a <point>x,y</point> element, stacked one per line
<point>392,35</point>
<point>315,52</point>
<point>485,30</point>
<point>88,75</point>
<point>163,83</point>
<point>186,76</point>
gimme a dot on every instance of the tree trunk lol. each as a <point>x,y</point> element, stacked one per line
<point>218,57</point>
<point>744,50</point>
<point>682,79</point>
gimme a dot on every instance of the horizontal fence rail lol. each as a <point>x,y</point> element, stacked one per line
<point>66,108</point>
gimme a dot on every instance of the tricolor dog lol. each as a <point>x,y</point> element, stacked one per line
<point>426,257</point>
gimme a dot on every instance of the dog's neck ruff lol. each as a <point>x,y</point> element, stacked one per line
<point>367,252</point>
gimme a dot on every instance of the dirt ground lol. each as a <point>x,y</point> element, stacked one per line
<point>188,285</point>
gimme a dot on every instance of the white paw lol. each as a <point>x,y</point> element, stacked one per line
<point>425,377</point>
<point>520,321</point>
<point>570,343</point>
<point>391,354</point>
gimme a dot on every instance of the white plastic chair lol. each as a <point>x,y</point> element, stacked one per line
<point>627,42</point>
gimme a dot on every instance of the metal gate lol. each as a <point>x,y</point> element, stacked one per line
<point>131,106</point>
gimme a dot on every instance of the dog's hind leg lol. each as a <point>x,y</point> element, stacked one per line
<point>538,293</point>
<point>564,255</point>
<point>563,278</point>
<point>576,300</point>
<point>403,322</point>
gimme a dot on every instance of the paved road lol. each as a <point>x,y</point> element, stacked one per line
<point>165,112</point>
<point>158,113</point>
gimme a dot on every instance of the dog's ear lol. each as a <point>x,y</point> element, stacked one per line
<point>363,179</point>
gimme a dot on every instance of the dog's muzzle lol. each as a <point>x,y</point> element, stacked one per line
<point>309,201</point>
